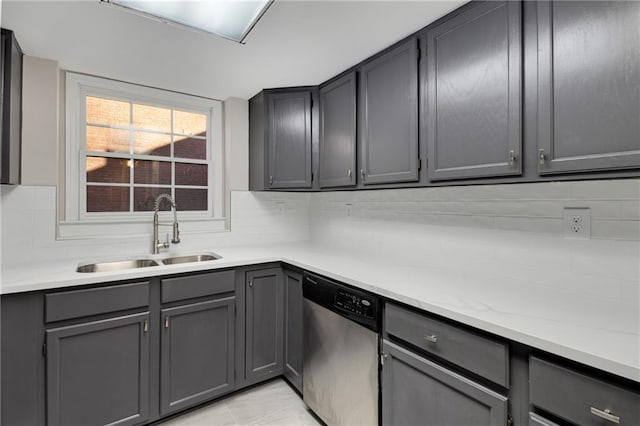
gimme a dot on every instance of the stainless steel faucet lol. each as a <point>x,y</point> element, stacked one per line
<point>157,245</point>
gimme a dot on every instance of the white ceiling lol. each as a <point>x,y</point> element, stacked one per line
<point>295,42</point>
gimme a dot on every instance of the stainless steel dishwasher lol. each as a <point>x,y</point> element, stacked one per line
<point>340,370</point>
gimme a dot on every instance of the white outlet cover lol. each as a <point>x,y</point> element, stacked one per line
<point>577,223</point>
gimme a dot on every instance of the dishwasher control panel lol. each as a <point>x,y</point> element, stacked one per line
<point>354,303</point>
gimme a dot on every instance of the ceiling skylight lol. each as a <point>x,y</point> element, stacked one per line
<point>231,19</point>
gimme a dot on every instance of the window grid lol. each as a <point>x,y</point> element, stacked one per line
<point>131,156</point>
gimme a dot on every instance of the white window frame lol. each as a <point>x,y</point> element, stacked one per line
<point>77,223</point>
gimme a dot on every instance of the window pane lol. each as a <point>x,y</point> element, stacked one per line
<point>191,199</point>
<point>107,198</point>
<point>151,118</point>
<point>144,198</point>
<point>150,172</point>
<point>190,148</point>
<point>151,144</point>
<point>107,170</point>
<point>189,123</point>
<point>107,111</point>
<point>191,174</point>
<point>105,139</point>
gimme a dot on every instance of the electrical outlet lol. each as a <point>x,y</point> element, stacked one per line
<point>577,223</point>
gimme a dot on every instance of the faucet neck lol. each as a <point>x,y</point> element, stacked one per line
<point>156,223</point>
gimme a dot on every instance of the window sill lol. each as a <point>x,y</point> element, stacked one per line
<point>80,230</point>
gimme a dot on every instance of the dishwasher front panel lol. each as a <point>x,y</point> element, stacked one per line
<point>340,368</point>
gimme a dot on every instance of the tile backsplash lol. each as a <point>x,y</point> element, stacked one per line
<point>28,231</point>
<point>530,207</point>
<point>28,217</point>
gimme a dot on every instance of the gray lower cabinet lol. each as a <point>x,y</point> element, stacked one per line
<point>417,391</point>
<point>338,132</point>
<point>264,324</point>
<point>293,328</point>
<point>98,372</point>
<point>197,353</point>
<point>588,91</point>
<point>537,420</point>
<point>388,116</point>
<point>473,109</point>
<point>580,398</point>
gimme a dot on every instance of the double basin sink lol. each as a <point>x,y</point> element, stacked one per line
<point>121,265</point>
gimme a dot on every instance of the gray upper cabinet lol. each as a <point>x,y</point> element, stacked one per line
<point>98,372</point>
<point>416,391</point>
<point>388,116</point>
<point>588,86</point>
<point>281,144</point>
<point>197,353</point>
<point>10,108</point>
<point>473,97</point>
<point>289,139</point>
<point>338,132</point>
<point>293,328</point>
<point>264,324</point>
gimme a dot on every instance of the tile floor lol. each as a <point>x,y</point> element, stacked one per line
<point>273,403</point>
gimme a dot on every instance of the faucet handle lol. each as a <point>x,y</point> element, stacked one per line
<point>176,234</point>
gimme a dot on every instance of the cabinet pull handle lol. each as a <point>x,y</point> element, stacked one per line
<point>382,358</point>
<point>606,414</point>
<point>431,338</point>
<point>364,176</point>
<point>145,326</point>
<point>250,283</point>
<point>512,158</point>
<point>166,322</point>
<point>542,158</point>
<point>270,180</point>
<point>349,173</point>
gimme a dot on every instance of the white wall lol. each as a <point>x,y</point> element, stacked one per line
<point>29,213</point>
<point>40,102</point>
<point>43,142</point>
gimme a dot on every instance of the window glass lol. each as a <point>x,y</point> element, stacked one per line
<point>135,152</point>
<point>107,198</point>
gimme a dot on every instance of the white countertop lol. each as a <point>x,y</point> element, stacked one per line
<point>539,295</point>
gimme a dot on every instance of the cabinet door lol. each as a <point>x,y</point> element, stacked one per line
<point>474,69</point>
<point>197,353</point>
<point>11,110</point>
<point>98,372</point>
<point>416,391</point>
<point>293,328</point>
<point>289,138</point>
<point>338,132</point>
<point>388,111</point>
<point>264,324</point>
<point>588,91</point>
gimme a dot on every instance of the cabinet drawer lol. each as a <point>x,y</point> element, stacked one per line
<point>94,301</point>
<point>478,354</point>
<point>536,420</point>
<point>579,398</point>
<point>200,285</point>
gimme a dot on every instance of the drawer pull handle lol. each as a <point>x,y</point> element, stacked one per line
<point>606,414</point>
<point>432,338</point>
